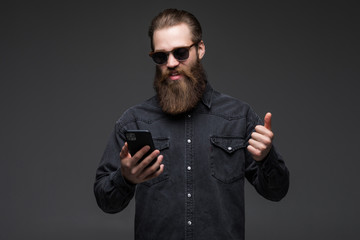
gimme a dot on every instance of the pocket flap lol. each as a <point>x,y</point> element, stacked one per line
<point>161,143</point>
<point>228,144</point>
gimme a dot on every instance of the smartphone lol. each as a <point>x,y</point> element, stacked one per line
<point>137,139</point>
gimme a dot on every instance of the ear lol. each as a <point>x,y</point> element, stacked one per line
<point>201,49</point>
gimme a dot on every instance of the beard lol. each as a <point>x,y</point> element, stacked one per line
<point>179,96</point>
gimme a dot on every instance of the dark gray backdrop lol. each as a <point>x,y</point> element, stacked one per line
<point>69,70</point>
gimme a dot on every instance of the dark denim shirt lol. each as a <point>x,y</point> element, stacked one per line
<point>200,194</point>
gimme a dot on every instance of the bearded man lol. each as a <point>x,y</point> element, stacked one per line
<point>206,144</point>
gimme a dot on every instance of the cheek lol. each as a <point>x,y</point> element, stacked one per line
<point>161,70</point>
<point>189,64</point>
<point>192,60</point>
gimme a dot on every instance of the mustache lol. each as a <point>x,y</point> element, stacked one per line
<point>169,72</point>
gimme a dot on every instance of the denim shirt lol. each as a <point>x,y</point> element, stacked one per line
<point>200,194</point>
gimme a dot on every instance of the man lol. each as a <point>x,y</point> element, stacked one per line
<point>207,144</point>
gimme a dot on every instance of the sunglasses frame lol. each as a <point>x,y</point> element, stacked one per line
<point>172,52</point>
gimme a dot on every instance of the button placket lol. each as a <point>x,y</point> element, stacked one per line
<point>189,200</point>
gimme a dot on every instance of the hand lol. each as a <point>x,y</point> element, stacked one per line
<point>260,142</point>
<point>138,173</point>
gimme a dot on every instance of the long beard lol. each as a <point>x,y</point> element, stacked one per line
<point>179,96</point>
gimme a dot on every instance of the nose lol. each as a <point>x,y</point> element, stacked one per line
<point>172,61</point>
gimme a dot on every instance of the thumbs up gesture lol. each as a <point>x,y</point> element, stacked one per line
<point>260,142</point>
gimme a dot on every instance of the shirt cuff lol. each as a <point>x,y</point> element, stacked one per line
<point>120,182</point>
<point>268,163</point>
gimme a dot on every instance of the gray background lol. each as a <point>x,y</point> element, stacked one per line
<point>69,70</point>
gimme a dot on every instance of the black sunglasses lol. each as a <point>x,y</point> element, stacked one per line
<point>180,53</point>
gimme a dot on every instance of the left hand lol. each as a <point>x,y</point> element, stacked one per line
<point>260,142</point>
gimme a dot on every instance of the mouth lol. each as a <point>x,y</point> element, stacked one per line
<point>175,76</point>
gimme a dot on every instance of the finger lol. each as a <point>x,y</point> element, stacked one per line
<point>156,174</point>
<point>149,159</point>
<point>267,121</point>
<point>257,145</point>
<point>263,138</point>
<point>152,169</point>
<point>263,131</point>
<point>140,154</point>
<point>255,153</point>
<point>138,168</point>
<point>124,151</point>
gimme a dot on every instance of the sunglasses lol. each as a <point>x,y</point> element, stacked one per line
<point>180,53</point>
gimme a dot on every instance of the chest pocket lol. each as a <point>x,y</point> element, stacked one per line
<point>163,145</point>
<point>227,158</point>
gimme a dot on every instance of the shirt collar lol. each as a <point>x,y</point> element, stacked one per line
<point>207,96</point>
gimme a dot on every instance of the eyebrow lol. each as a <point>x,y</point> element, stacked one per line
<point>163,50</point>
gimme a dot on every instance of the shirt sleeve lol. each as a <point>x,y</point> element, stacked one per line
<point>112,192</point>
<point>270,177</point>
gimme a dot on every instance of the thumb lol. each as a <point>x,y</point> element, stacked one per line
<point>124,151</point>
<point>267,121</point>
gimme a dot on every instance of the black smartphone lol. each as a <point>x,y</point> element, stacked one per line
<point>137,139</point>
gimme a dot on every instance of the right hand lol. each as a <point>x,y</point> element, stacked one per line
<point>137,173</point>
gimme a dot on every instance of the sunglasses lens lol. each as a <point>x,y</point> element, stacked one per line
<point>159,57</point>
<point>181,54</point>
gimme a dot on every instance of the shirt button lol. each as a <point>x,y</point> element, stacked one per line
<point>189,140</point>
<point>189,116</point>
<point>189,195</point>
<point>189,223</point>
<point>229,148</point>
<point>189,168</point>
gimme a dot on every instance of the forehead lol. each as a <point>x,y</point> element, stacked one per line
<point>171,37</point>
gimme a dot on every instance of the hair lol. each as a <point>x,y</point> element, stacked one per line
<point>172,17</point>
